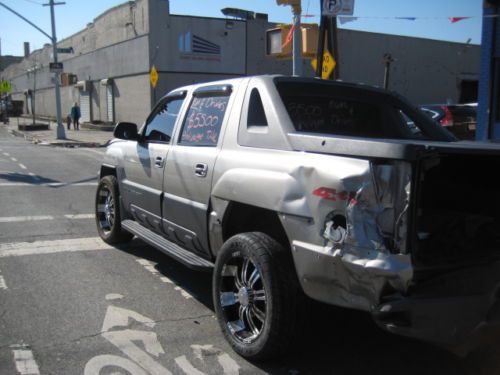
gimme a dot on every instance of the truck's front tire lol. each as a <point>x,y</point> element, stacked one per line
<point>107,212</point>
<point>257,298</point>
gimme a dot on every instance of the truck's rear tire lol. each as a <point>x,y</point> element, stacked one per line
<point>257,297</point>
<point>107,212</point>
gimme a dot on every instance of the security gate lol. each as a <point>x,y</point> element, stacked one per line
<point>110,102</point>
<point>85,106</point>
<point>29,106</point>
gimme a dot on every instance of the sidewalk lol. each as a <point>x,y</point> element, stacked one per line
<point>81,138</point>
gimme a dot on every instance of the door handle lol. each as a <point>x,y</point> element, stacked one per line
<point>201,169</point>
<point>159,161</point>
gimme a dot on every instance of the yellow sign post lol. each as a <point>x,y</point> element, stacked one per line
<point>153,76</point>
<point>328,64</point>
<point>5,87</point>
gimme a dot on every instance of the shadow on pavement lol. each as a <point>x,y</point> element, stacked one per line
<point>25,178</point>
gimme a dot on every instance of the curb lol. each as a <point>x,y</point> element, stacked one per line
<point>70,144</point>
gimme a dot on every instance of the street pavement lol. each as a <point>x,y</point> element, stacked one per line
<point>70,304</point>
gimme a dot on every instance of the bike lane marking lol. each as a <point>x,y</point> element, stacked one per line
<point>143,349</point>
<point>24,360</point>
<point>151,268</point>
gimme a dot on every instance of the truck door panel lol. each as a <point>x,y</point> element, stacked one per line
<point>189,169</point>
<point>145,164</point>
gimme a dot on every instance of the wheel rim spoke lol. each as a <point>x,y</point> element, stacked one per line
<point>254,277</point>
<point>249,318</point>
<point>259,295</point>
<point>244,271</point>
<point>243,298</point>
<point>258,314</point>
<point>105,209</point>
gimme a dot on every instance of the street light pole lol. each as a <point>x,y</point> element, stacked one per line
<point>60,128</point>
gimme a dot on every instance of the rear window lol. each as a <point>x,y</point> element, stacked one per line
<point>346,111</point>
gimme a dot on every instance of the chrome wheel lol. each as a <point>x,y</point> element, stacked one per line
<point>105,209</point>
<point>243,299</point>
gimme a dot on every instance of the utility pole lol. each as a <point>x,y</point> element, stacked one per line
<point>297,41</point>
<point>297,35</point>
<point>60,127</point>
<point>387,62</point>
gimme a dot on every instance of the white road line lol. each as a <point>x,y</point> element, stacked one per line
<point>22,166</point>
<point>17,249</point>
<point>3,284</point>
<point>18,219</point>
<point>6,154</point>
<point>79,216</point>
<point>25,362</point>
<point>49,184</point>
<point>14,160</point>
<point>151,268</point>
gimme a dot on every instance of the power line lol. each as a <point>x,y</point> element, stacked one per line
<point>33,2</point>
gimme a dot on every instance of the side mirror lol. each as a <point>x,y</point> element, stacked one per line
<point>126,131</point>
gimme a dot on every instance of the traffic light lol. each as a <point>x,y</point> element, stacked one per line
<point>278,46</point>
<point>288,2</point>
<point>295,4</point>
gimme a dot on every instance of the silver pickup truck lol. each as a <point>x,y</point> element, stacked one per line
<point>287,188</point>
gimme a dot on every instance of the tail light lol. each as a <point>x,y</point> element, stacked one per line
<point>447,120</point>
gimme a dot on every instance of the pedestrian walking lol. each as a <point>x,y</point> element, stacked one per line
<point>75,115</point>
<point>68,121</point>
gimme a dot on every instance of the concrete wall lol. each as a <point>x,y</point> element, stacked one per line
<point>175,47</point>
<point>426,71</point>
<point>132,98</point>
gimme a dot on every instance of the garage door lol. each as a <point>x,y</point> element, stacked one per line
<point>28,105</point>
<point>110,103</point>
<point>85,106</point>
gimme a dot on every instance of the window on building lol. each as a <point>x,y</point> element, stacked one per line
<point>160,125</point>
<point>203,121</point>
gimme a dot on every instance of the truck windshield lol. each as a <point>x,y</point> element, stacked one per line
<point>346,110</point>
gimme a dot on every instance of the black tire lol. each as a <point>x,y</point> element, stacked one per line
<point>257,327</point>
<point>107,212</point>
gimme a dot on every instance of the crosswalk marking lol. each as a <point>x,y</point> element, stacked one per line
<point>17,249</point>
<point>17,219</point>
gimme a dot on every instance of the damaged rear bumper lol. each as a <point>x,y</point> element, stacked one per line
<point>458,311</point>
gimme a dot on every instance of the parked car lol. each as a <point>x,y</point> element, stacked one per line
<point>286,187</point>
<point>459,119</point>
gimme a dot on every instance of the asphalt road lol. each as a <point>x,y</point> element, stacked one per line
<point>69,304</point>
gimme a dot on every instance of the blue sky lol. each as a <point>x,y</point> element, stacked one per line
<point>374,15</point>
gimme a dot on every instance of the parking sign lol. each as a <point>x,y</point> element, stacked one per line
<point>334,8</point>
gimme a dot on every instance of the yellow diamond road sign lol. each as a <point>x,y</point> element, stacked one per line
<point>5,87</point>
<point>328,64</point>
<point>153,76</point>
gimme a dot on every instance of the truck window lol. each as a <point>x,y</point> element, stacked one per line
<point>256,114</point>
<point>203,121</point>
<point>345,111</point>
<point>161,124</point>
